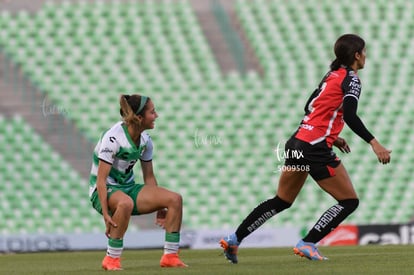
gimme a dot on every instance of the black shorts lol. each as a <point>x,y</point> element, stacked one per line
<point>318,159</point>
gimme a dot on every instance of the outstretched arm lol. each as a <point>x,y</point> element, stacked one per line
<point>351,118</point>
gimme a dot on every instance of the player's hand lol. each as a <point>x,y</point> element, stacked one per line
<point>383,154</point>
<point>342,145</point>
<point>109,223</point>
<point>160,218</point>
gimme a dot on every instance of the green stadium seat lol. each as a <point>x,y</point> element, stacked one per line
<point>83,55</point>
<point>44,182</point>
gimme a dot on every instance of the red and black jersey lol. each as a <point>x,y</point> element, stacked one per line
<point>324,110</point>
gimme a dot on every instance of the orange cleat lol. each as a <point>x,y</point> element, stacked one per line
<point>110,263</point>
<point>171,260</point>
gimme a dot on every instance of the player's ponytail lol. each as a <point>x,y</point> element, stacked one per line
<point>131,106</point>
<point>335,65</point>
<point>125,109</point>
<point>345,48</point>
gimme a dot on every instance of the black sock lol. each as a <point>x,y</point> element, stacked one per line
<point>260,215</point>
<point>331,219</point>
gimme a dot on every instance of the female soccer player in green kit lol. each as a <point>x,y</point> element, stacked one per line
<point>114,192</point>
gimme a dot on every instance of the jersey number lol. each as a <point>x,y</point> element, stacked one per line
<point>130,167</point>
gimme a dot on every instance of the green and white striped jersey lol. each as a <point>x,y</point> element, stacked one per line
<point>117,148</point>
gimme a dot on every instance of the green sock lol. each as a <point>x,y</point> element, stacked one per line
<point>173,237</point>
<point>117,243</point>
<point>115,247</point>
<point>172,241</point>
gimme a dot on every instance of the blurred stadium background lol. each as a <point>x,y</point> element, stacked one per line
<point>229,79</point>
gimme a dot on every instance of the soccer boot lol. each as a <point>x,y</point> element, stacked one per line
<point>230,246</point>
<point>171,260</point>
<point>110,263</point>
<point>308,250</point>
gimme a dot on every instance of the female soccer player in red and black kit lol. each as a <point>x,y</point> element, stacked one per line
<point>309,151</point>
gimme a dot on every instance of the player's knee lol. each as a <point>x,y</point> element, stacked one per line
<point>175,200</point>
<point>350,204</point>
<point>125,205</point>
<point>280,204</point>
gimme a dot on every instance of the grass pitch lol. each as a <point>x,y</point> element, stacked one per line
<point>375,259</point>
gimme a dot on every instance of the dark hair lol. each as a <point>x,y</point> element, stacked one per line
<point>345,48</point>
<point>132,105</point>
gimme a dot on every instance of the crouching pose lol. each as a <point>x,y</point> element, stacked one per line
<point>114,192</point>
